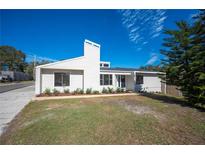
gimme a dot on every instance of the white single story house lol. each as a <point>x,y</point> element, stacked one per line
<point>88,71</point>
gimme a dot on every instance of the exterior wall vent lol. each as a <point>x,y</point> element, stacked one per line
<point>92,43</point>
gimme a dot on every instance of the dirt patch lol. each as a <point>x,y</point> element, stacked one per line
<point>65,106</point>
<point>141,110</point>
<point>47,116</point>
<point>53,106</point>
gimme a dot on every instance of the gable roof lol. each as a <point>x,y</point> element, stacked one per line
<point>58,62</point>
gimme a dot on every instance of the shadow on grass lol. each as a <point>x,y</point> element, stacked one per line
<point>172,100</point>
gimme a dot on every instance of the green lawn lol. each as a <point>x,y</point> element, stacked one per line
<point>111,120</point>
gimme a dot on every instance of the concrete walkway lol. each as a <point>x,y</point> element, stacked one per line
<point>12,102</point>
<point>81,96</point>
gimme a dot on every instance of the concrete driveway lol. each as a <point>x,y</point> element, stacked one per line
<point>4,87</point>
<point>12,102</point>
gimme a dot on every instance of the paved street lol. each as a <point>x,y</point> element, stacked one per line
<point>4,87</point>
<point>12,102</point>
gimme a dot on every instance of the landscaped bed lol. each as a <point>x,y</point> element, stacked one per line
<point>109,120</point>
<point>54,92</point>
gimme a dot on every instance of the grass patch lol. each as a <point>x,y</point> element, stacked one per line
<point>110,120</point>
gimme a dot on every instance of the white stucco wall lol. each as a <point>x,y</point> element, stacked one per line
<point>91,65</point>
<point>76,79</point>
<point>73,64</point>
<point>38,81</point>
<point>152,83</point>
<point>114,83</point>
<point>130,82</point>
<point>129,79</point>
<point>85,73</point>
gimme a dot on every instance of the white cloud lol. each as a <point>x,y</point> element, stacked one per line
<point>155,35</point>
<point>158,29</point>
<point>193,14</point>
<point>138,49</point>
<point>153,59</point>
<point>46,58</point>
<point>161,20</point>
<point>32,57</point>
<point>141,23</point>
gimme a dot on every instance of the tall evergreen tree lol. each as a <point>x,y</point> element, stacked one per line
<point>184,62</point>
<point>151,68</point>
<point>198,57</point>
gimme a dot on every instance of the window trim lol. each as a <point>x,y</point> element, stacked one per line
<point>142,82</point>
<point>106,65</point>
<point>67,73</point>
<point>110,80</point>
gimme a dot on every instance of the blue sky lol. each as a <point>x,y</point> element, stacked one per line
<point>128,38</point>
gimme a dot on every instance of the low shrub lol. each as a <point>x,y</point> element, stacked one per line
<point>78,91</point>
<point>66,91</point>
<point>47,91</point>
<point>96,92</point>
<point>128,91</point>
<point>104,91</point>
<point>81,91</point>
<point>110,90</point>
<point>56,92</point>
<point>122,90</point>
<point>118,90</point>
<point>88,90</point>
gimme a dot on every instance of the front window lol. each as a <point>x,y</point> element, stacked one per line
<point>106,65</point>
<point>123,81</point>
<point>62,79</point>
<point>105,79</point>
<point>139,79</point>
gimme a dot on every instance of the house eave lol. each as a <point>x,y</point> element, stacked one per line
<point>111,70</point>
<point>58,62</point>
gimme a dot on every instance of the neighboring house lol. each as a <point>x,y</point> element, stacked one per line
<point>14,76</point>
<point>89,72</point>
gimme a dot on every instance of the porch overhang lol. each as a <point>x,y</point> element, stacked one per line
<point>128,71</point>
<point>116,72</point>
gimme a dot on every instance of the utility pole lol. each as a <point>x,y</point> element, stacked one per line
<point>34,66</point>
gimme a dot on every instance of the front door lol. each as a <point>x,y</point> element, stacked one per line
<point>121,81</point>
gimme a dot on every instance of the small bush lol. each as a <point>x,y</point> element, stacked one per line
<point>110,90</point>
<point>47,91</point>
<point>128,91</point>
<point>105,91</point>
<point>96,92</point>
<point>78,91</point>
<point>66,91</point>
<point>118,90</point>
<point>56,92</point>
<point>88,90</point>
<point>81,91</point>
<point>122,90</point>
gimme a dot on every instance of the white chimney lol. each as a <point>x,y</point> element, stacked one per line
<point>92,65</point>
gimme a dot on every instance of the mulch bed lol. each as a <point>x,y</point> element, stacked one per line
<point>71,94</point>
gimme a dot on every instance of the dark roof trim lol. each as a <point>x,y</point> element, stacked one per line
<point>119,69</point>
<point>127,69</point>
